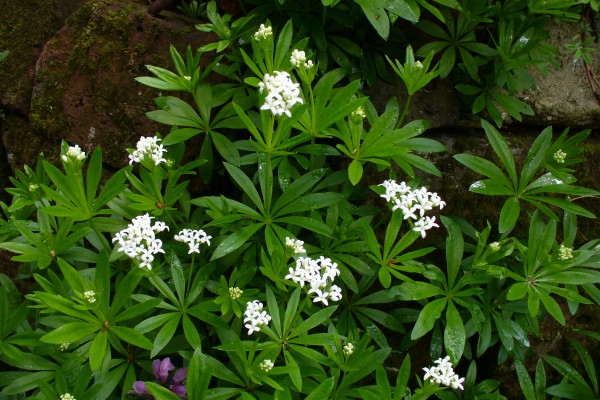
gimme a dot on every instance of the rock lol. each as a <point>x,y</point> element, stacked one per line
<point>564,97</point>
<point>85,90</point>
<point>26,27</point>
<point>437,102</point>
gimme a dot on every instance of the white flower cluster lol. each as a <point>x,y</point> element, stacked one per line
<point>193,238</point>
<point>139,240</point>
<point>413,203</point>
<point>565,253</point>
<point>64,346</point>
<point>282,93</point>
<point>255,316</point>
<point>359,113</point>
<point>235,293</point>
<point>296,245</point>
<point>90,296</point>
<point>319,275</point>
<point>266,365</point>
<point>560,156</point>
<point>74,153</point>
<point>298,60</point>
<point>348,349</point>
<point>495,246</point>
<point>263,32</point>
<point>67,396</point>
<point>148,147</point>
<point>443,374</point>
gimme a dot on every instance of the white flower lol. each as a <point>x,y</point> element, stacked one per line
<point>255,317</point>
<point>298,60</point>
<point>565,253</point>
<point>235,293</point>
<point>66,396</point>
<point>318,275</point>
<point>266,365</point>
<point>348,349</point>
<point>193,238</point>
<point>560,156</point>
<point>90,296</point>
<point>74,153</point>
<point>64,346</point>
<point>413,203</point>
<point>263,32</point>
<point>359,113</point>
<point>297,246</point>
<point>33,187</point>
<point>148,147</point>
<point>424,224</point>
<point>443,374</point>
<point>495,246</point>
<point>282,93</point>
<point>139,240</point>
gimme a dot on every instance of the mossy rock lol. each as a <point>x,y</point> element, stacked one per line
<point>84,89</point>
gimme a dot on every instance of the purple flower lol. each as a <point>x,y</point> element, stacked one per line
<point>161,369</point>
<point>140,387</point>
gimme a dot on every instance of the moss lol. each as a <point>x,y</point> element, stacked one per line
<point>25,25</point>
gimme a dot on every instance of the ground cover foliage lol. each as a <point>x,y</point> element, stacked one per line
<point>293,275</point>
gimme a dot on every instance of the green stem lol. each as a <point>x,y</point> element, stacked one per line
<point>404,112</point>
<point>189,281</point>
<point>313,128</point>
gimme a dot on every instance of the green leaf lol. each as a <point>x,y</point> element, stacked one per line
<point>198,377</point>
<point>225,148</point>
<point>376,15</point>
<point>69,333</point>
<point>165,335</point>
<point>502,150</point>
<point>160,392</point>
<point>131,336</point>
<point>234,241</point>
<point>427,318</point>
<point>98,350</point>
<point>454,334</point>
<point>517,291</point>
<point>316,319</point>
<point>245,184</point>
<point>324,389</point>
<point>509,215</point>
<point>454,250</point>
<point>525,381</point>
<point>355,172</point>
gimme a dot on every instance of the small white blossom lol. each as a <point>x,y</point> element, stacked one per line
<point>235,293</point>
<point>139,241</point>
<point>418,65</point>
<point>565,253</point>
<point>318,275</point>
<point>67,396</point>
<point>193,238</point>
<point>281,93</point>
<point>298,60</point>
<point>187,78</point>
<point>359,113</point>
<point>413,203</point>
<point>297,246</point>
<point>263,32</point>
<point>74,153</point>
<point>348,349</point>
<point>266,365</point>
<point>64,346</point>
<point>33,187</point>
<point>90,296</point>
<point>255,317</point>
<point>443,374</point>
<point>148,147</point>
<point>560,156</point>
<point>495,246</point>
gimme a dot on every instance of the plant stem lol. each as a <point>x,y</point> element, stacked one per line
<point>404,112</point>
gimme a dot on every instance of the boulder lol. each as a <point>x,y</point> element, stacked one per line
<point>84,89</point>
<point>564,96</point>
